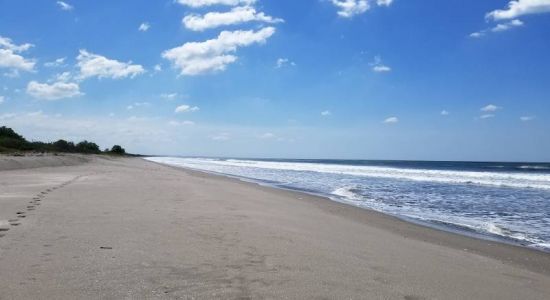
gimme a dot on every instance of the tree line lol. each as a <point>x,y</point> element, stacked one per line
<point>11,141</point>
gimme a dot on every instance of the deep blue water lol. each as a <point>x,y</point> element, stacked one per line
<point>504,201</point>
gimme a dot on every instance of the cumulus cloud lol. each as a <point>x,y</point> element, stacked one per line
<point>351,8</point>
<point>201,3</point>
<point>144,27</point>
<point>445,113</point>
<point>391,120</point>
<point>237,15</point>
<point>517,8</point>
<point>93,65</point>
<point>378,66</point>
<point>214,55</point>
<point>11,58</point>
<point>55,91</point>
<point>527,118</point>
<point>186,108</point>
<point>2,99</point>
<point>490,108</point>
<point>326,113</point>
<point>64,5</point>
<point>7,43</point>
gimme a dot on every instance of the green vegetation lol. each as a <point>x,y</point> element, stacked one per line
<point>11,142</point>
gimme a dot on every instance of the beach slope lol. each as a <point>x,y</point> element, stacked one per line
<point>129,228</point>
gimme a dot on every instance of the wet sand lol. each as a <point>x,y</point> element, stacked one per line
<point>127,228</point>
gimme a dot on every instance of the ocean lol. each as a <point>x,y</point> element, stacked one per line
<point>508,202</point>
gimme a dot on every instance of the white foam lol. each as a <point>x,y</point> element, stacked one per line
<point>346,192</point>
<point>500,179</point>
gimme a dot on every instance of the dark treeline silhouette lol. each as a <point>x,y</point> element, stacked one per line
<point>10,141</point>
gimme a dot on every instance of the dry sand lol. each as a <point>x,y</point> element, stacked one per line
<point>128,228</point>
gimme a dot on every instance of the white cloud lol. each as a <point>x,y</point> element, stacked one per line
<point>221,137</point>
<point>267,136</point>
<point>282,62</point>
<point>517,8</point>
<point>64,77</point>
<point>93,65</point>
<point>169,96</point>
<point>10,60</point>
<point>200,3</point>
<point>64,5</point>
<point>391,120</point>
<point>507,26</point>
<point>384,2</point>
<point>10,57</point>
<point>137,104</point>
<point>186,108</point>
<point>477,34</point>
<point>181,123</point>
<point>213,55</point>
<point>527,118</point>
<point>144,26</point>
<point>2,99</point>
<point>158,68</point>
<point>237,15</point>
<point>381,69</point>
<point>487,116</point>
<point>490,108</point>
<point>498,28</point>
<point>350,8</point>
<point>55,91</point>
<point>445,113</point>
<point>326,113</point>
<point>378,66</point>
<point>7,43</point>
<point>56,63</point>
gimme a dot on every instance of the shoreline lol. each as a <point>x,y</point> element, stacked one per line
<point>131,228</point>
<point>433,234</point>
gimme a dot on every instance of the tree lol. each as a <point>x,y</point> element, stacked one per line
<point>118,150</point>
<point>11,140</point>
<point>64,146</point>
<point>6,132</point>
<point>87,147</point>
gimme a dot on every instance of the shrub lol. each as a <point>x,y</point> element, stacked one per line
<point>118,150</point>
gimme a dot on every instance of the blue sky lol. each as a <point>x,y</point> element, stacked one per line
<point>432,80</point>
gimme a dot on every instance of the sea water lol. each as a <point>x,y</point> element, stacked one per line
<point>504,201</point>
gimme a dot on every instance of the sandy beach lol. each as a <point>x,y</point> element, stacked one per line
<point>113,228</point>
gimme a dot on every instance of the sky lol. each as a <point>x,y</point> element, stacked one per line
<point>349,79</point>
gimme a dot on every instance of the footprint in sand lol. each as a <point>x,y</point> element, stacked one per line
<point>14,222</point>
<point>4,226</point>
